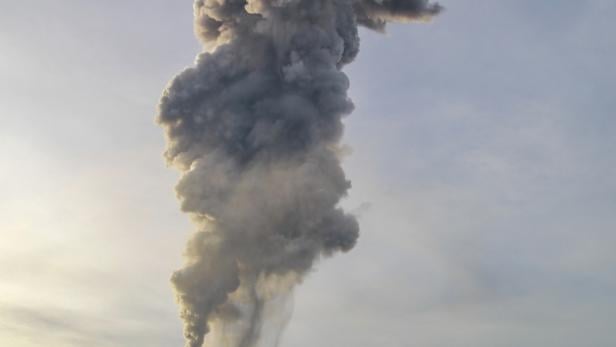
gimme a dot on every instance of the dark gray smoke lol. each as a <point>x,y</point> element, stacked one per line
<point>254,126</point>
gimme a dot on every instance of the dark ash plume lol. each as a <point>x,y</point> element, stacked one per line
<point>375,14</point>
<point>254,127</point>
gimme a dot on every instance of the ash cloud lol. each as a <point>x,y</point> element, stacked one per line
<point>375,14</point>
<point>254,127</point>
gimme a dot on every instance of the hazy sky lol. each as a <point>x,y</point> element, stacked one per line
<point>483,164</point>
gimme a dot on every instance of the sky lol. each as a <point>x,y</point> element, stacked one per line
<point>481,151</point>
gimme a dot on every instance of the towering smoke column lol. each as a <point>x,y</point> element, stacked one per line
<point>254,128</point>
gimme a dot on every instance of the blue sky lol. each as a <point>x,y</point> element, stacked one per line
<point>482,160</point>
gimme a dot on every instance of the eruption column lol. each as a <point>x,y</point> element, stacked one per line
<point>254,127</point>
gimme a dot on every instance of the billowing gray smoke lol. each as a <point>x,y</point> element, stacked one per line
<point>254,127</point>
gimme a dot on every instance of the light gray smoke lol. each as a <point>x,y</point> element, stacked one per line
<point>254,126</point>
